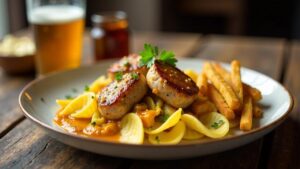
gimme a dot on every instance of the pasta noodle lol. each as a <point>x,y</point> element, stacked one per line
<point>172,121</point>
<point>132,130</point>
<point>63,103</point>
<point>82,106</point>
<point>97,119</point>
<point>174,136</point>
<point>99,83</point>
<point>191,134</point>
<point>204,126</point>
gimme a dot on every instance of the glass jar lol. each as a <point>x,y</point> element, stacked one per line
<point>110,35</point>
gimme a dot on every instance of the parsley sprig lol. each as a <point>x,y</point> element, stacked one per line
<point>151,53</point>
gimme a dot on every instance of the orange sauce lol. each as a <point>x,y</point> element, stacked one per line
<point>84,128</point>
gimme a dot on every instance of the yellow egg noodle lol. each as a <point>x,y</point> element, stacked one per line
<point>178,126</point>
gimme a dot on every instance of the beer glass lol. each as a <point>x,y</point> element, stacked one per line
<point>58,27</point>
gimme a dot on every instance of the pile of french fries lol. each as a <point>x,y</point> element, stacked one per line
<point>234,99</point>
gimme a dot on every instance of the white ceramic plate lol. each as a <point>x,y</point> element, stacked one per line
<point>37,100</point>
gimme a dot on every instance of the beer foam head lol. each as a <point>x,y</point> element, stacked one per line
<point>55,14</point>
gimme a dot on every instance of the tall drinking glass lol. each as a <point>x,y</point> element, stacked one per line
<point>58,27</point>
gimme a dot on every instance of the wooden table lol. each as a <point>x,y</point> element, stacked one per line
<point>23,145</point>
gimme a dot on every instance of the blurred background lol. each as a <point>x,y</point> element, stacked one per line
<point>270,18</point>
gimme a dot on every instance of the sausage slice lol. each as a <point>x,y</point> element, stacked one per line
<point>172,85</point>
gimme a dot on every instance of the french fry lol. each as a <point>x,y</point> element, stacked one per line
<point>247,113</point>
<point>253,92</point>
<point>200,107</point>
<point>224,88</point>
<point>236,79</point>
<point>223,72</point>
<point>202,84</point>
<point>220,103</point>
<point>257,111</point>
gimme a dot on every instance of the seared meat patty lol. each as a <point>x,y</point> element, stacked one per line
<point>172,85</point>
<point>117,98</point>
<point>127,64</point>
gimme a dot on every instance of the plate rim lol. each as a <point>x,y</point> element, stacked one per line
<point>212,141</point>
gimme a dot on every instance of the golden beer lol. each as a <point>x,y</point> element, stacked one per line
<point>58,32</point>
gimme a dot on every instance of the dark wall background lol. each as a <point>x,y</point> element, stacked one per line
<point>272,18</point>
<point>279,18</point>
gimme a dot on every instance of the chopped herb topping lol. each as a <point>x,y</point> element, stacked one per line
<point>93,123</point>
<point>163,118</point>
<point>157,139</point>
<point>74,90</point>
<point>86,88</point>
<point>135,76</point>
<point>93,97</point>
<point>69,97</point>
<point>42,99</point>
<point>151,53</point>
<point>118,76</point>
<point>218,124</point>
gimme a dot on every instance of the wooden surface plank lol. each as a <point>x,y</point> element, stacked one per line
<point>232,159</point>
<point>263,55</point>
<point>285,147</point>
<point>9,108</point>
<point>27,146</point>
<point>182,44</point>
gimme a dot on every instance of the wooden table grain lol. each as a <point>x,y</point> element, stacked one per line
<point>23,145</point>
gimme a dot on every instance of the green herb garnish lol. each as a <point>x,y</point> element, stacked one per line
<point>86,88</point>
<point>168,57</point>
<point>148,55</point>
<point>93,123</point>
<point>151,53</point>
<point>134,75</point>
<point>69,97</point>
<point>218,124</point>
<point>163,118</point>
<point>118,76</point>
